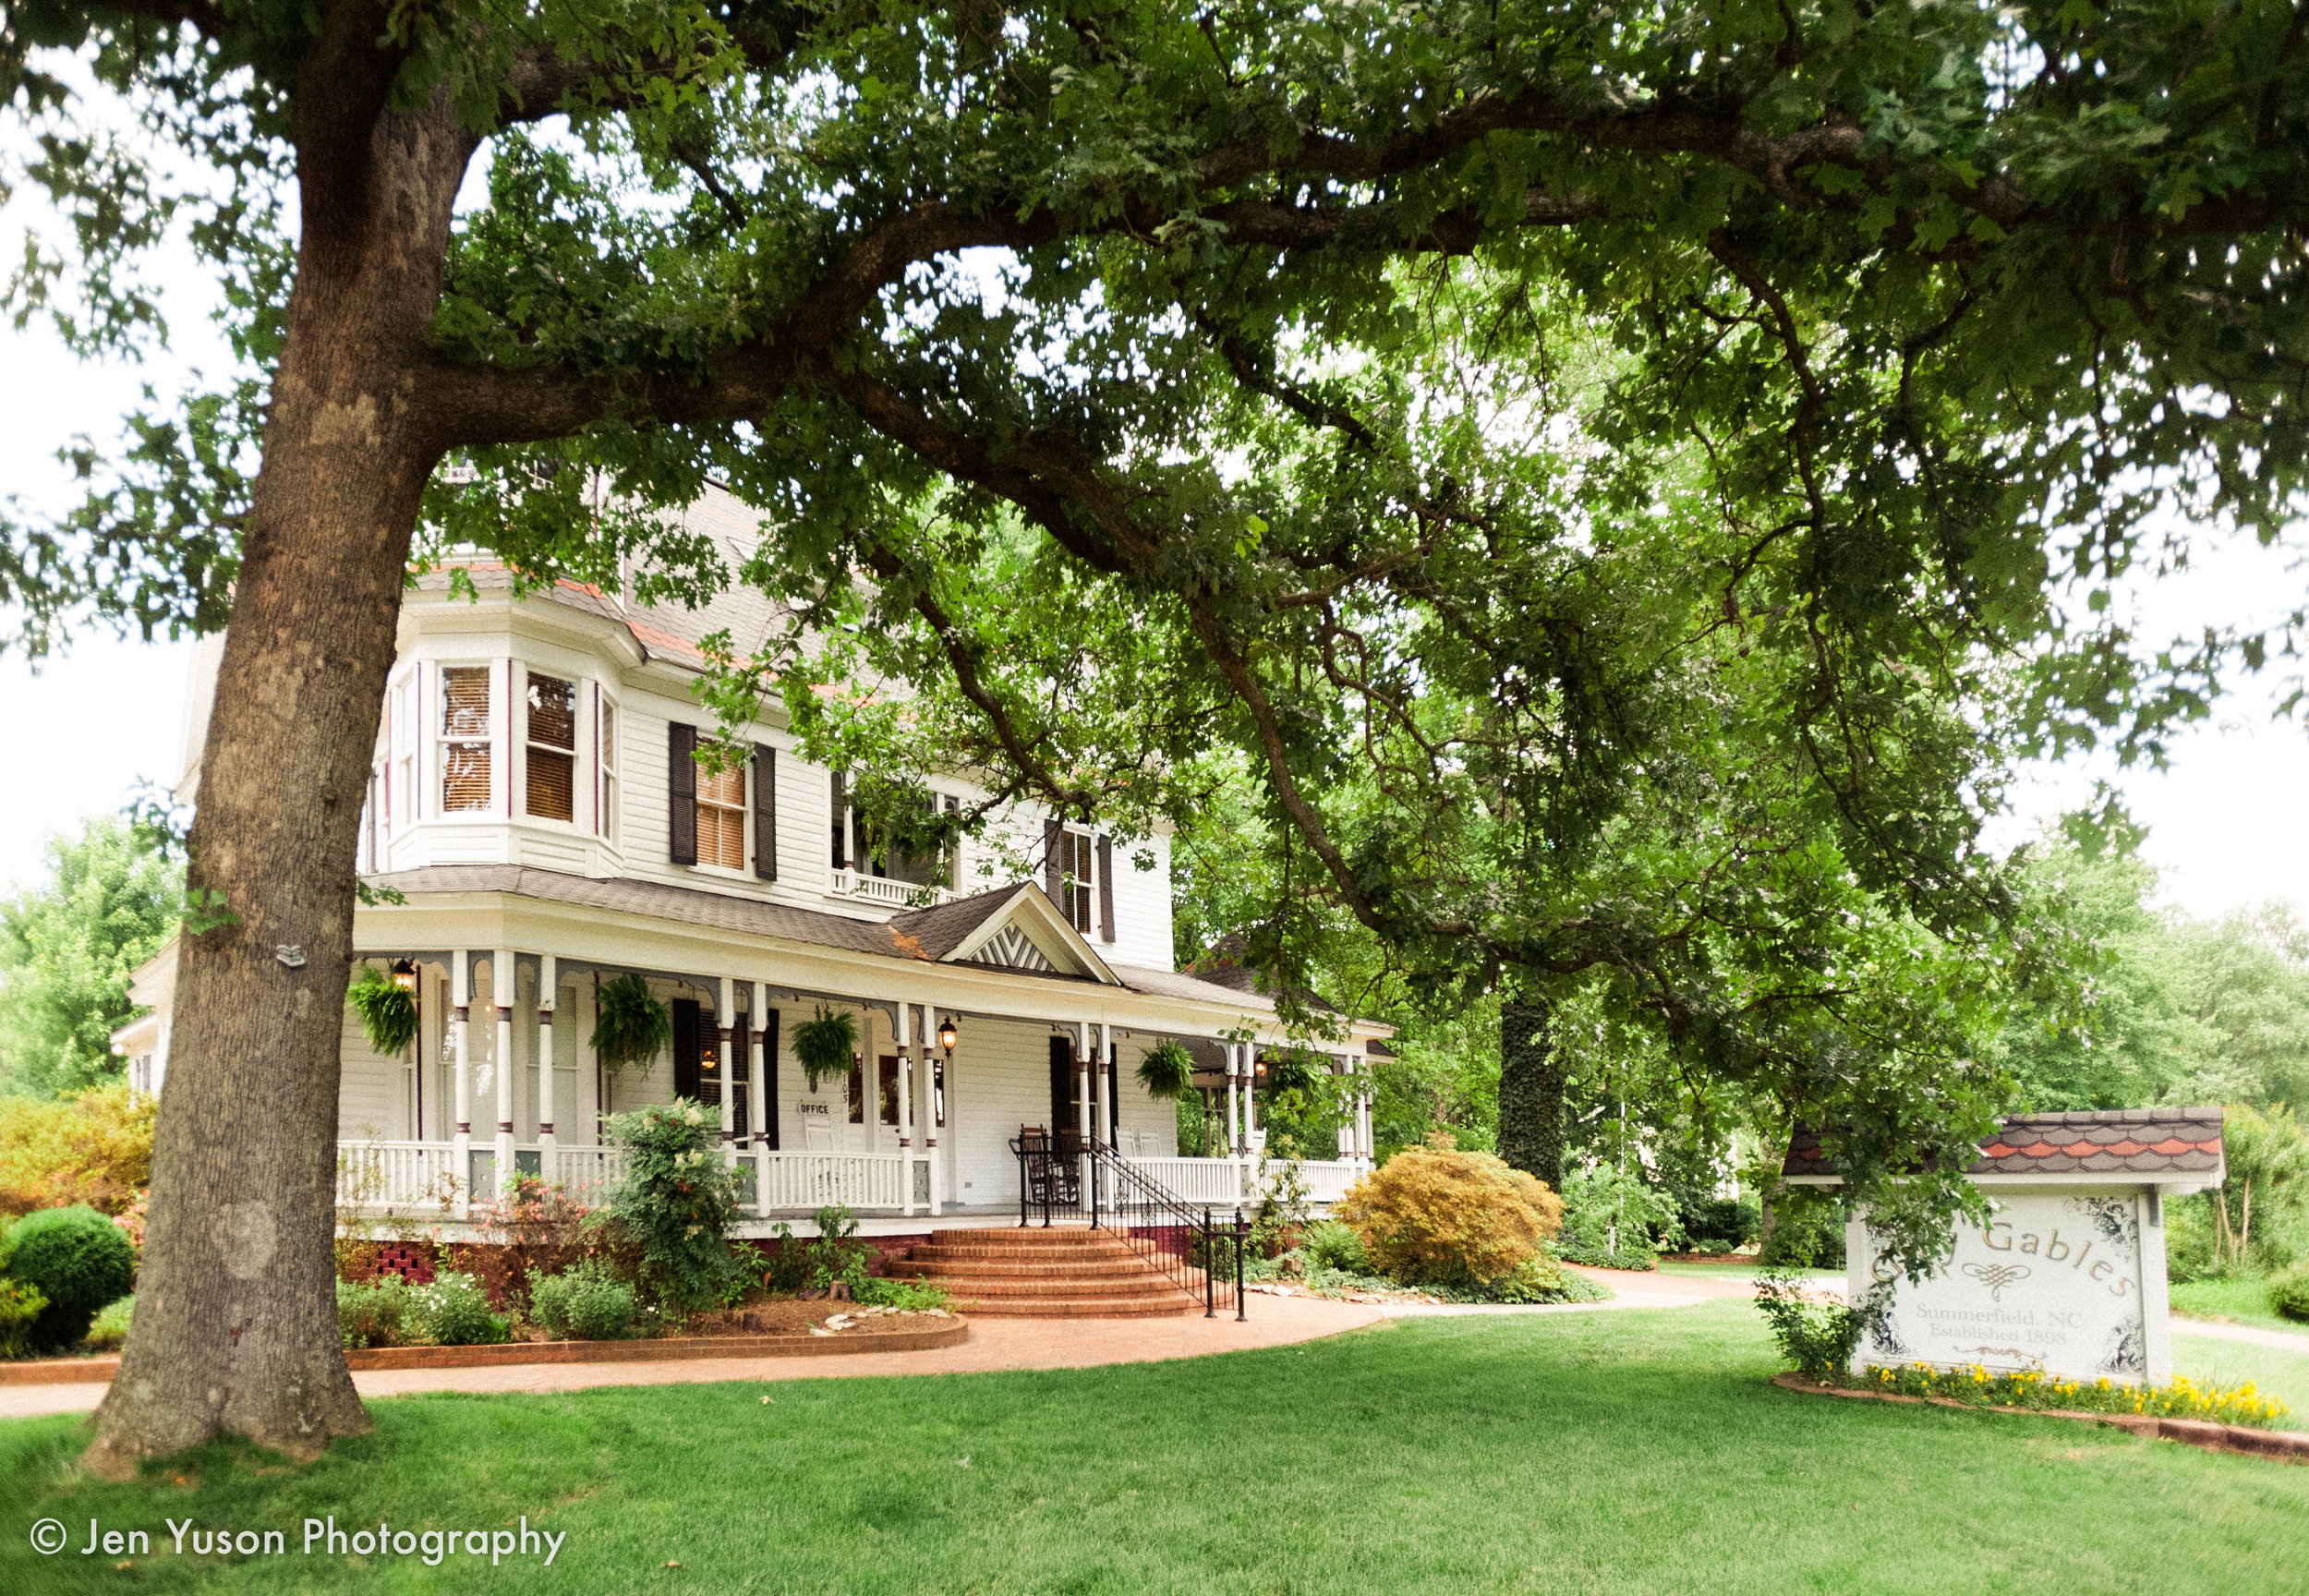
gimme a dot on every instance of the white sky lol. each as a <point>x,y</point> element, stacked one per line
<point>2225,822</point>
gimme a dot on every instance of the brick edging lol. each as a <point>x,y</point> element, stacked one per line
<point>93,1371</point>
<point>2288,1445</point>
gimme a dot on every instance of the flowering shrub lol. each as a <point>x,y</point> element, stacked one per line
<point>1435,1214</point>
<point>2184,1398</point>
<point>94,1150</point>
<point>455,1311</point>
<point>131,1220</point>
<point>677,1202</point>
<point>535,1229</point>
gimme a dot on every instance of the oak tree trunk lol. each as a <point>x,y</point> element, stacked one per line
<point>235,1326</point>
<point>1531,1092</point>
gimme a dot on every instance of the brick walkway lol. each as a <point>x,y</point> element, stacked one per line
<point>994,1344</point>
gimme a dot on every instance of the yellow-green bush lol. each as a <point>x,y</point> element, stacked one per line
<point>1437,1214</point>
<point>95,1149</point>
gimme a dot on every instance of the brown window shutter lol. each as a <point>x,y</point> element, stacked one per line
<point>765,812</point>
<point>1054,865</point>
<point>682,791</point>
<point>1105,888</point>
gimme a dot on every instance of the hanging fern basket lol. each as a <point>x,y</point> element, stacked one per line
<point>1292,1071</point>
<point>629,1027</point>
<point>826,1044</point>
<point>388,1014</point>
<point>1167,1070</point>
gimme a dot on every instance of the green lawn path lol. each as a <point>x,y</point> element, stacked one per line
<point>1628,1451</point>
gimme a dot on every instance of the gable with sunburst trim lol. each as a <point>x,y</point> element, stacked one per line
<point>1028,934</point>
<point>1011,948</point>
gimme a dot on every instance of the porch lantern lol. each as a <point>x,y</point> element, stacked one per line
<point>947,1034</point>
<point>405,974</point>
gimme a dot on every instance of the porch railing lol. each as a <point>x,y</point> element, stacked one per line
<point>854,1179</point>
<point>1201,1251</point>
<point>395,1174</point>
<point>1196,1179</point>
<point>896,894</point>
<point>1224,1180</point>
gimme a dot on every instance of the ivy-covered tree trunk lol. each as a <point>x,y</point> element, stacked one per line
<point>1531,1092</point>
<point>235,1330</point>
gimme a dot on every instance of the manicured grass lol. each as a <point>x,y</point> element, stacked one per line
<point>1623,1451</point>
<point>2246,1301</point>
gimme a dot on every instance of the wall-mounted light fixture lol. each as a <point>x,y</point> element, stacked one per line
<point>405,974</point>
<point>947,1034</point>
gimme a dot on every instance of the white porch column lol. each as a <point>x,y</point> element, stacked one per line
<point>1233,1111</point>
<point>905,1109</point>
<point>927,1095</point>
<point>1105,1084</point>
<point>501,989</point>
<point>548,996</point>
<point>1370,1153</point>
<point>759,1106</point>
<point>1249,1094</point>
<point>588,1123</point>
<point>727,999</point>
<point>460,969</point>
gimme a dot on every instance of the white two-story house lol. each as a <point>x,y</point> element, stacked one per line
<point>537,806</point>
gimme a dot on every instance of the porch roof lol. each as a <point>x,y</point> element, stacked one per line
<point>934,936</point>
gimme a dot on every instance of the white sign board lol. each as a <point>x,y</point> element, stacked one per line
<point>2064,1283</point>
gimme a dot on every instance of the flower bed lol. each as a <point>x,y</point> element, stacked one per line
<point>2286,1446</point>
<point>858,1330</point>
<point>2031,1389</point>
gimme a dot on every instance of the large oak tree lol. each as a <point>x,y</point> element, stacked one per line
<point>1923,300</point>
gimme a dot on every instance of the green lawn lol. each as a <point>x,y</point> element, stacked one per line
<point>2246,1301</point>
<point>1634,1450</point>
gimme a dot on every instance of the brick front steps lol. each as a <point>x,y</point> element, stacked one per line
<point>74,1370</point>
<point>2291,1445</point>
<point>1074,1272</point>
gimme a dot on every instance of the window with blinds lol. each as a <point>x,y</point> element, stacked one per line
<point>552,750</point>
<point>605,817</point>
<point>722,816</point>
<point>464,738</point>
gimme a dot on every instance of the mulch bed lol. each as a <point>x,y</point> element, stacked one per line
<point>776,1329</point>
<point>2288,1445</point>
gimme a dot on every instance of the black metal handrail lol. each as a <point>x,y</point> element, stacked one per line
<point>1065,1175</point>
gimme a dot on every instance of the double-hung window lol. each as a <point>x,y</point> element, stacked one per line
<point>605,729</point>
<point>464,738</point>
<point>552,748</point>
<point>721,815</point>
<point>1078,858</point>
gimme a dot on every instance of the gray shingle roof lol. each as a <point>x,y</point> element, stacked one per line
<point>925,935</point>
<point>2114,1142</point>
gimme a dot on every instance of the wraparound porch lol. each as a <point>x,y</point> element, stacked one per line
<point>420,1180</point>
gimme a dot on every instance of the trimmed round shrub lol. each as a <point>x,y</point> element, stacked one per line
<point>2288,1291</point>
<point>588,1303</point>
<point>455,1311</point>
<point>76,1258</point>
<point>1435,1215</point>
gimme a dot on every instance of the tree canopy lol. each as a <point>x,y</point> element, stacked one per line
<point>1600,469</point>
<point>67,948</point>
